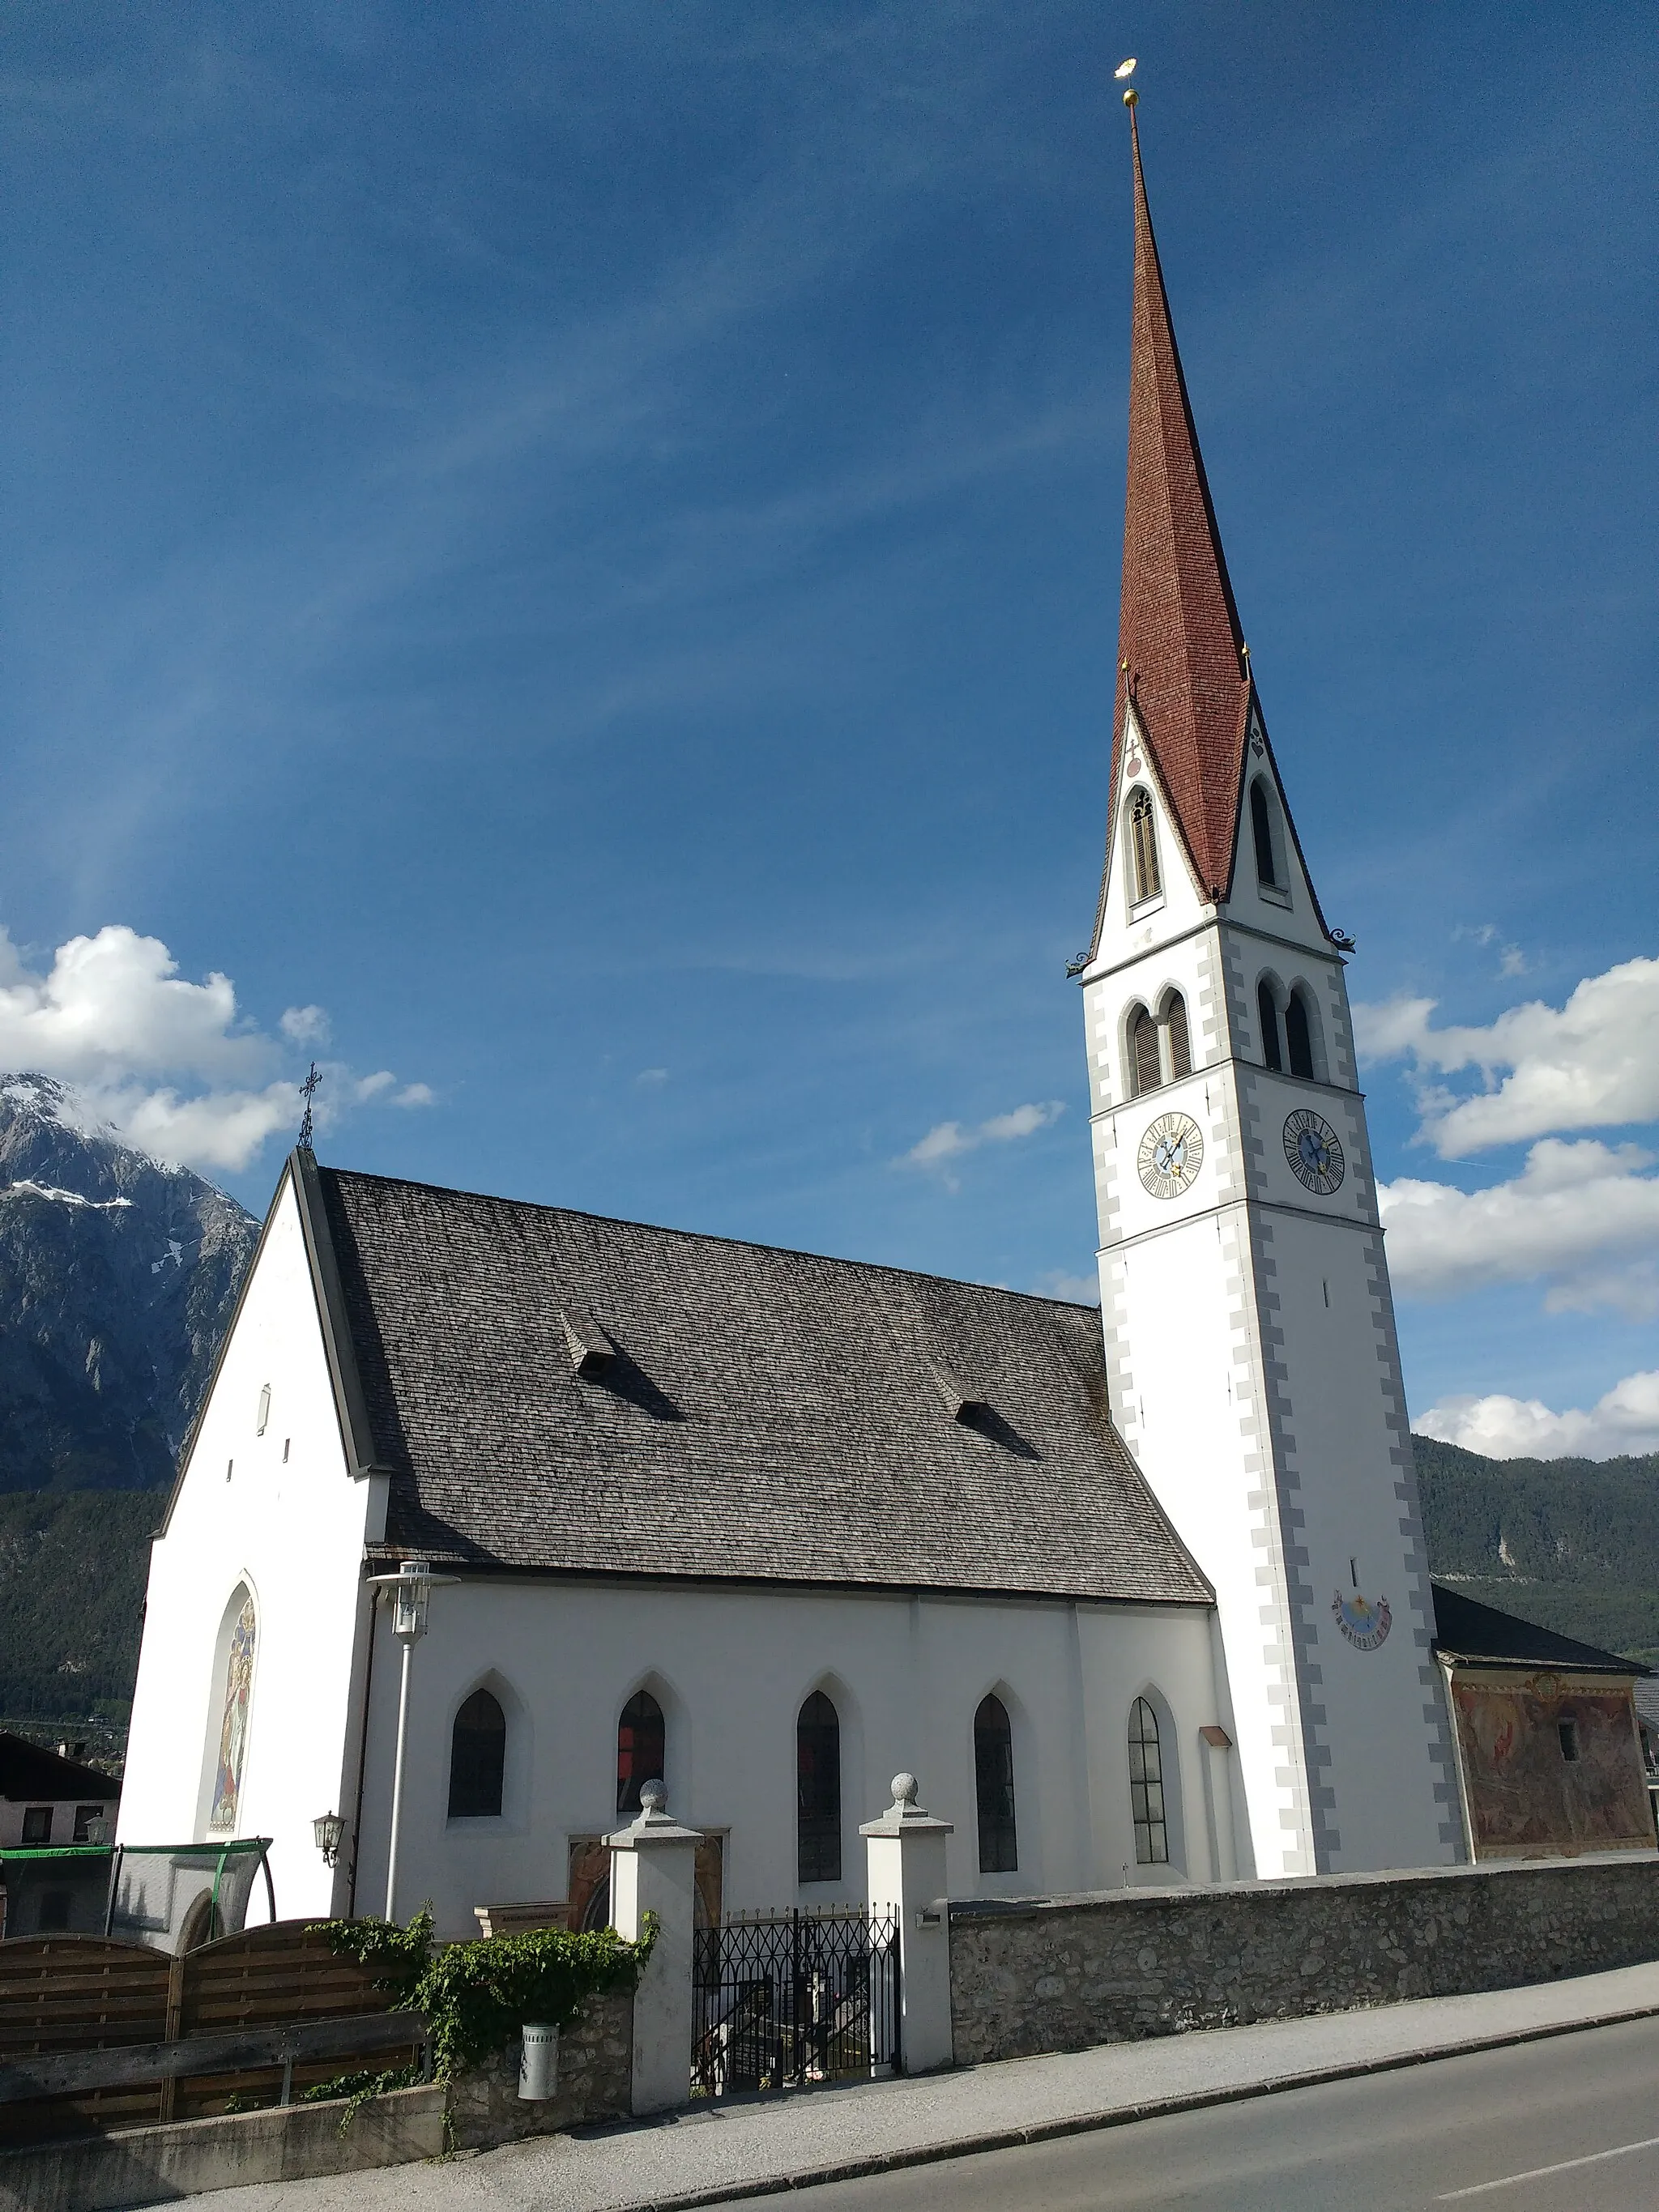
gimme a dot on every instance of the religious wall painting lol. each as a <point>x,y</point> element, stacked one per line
<point>233,1722</point>
<point>1551,1766</point>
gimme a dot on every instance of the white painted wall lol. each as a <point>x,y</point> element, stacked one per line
<point>1253,1371</point>
<point>280,1512</point>
<point>64,1810</point>
<point>730,1669</point>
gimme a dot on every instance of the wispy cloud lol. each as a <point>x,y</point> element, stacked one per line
<point>1624,1419</point>
<point>949,1140</point>
<point>1511,960</point>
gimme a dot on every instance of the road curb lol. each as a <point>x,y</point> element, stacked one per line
<point>1118,2115</point>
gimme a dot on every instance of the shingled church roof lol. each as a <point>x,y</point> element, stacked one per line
<point>556,1392</point>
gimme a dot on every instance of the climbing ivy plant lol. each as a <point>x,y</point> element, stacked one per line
<point>475,1996</point>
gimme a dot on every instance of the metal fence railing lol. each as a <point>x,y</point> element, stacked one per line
<point>783,1999</point>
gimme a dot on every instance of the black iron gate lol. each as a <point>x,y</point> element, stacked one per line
<point>788,1998</point>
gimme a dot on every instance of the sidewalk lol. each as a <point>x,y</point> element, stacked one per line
<point>712,2153</point>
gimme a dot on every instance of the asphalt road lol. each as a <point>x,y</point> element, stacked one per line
<point>1568,2124</point>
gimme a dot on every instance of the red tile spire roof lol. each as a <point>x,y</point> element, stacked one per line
<point>1180,652</point>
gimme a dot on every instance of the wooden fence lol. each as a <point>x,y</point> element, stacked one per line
<point>96,2033</point>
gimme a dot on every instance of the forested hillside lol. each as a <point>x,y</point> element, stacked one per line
<point>73,1565</point>
<point>1572,1544</point>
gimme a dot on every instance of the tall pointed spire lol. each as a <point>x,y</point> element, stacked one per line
<point>1182,657</point>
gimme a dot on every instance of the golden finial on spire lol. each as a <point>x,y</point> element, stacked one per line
<point>1126,70</point>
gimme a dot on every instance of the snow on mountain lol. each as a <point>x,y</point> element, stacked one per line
<point>117,1279</point>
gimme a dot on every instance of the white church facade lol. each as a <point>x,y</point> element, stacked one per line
<point>1139,1595</point>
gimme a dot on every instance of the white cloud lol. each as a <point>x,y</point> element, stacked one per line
<point>306,1025</point>
<point>947,1140</point>
<point>1582,1215</point>
<point>1592,1064</point>
<point>1077,1289</point>
<point>171,1066</point>
<point>1626,1420</point>
<point>652,1076</point>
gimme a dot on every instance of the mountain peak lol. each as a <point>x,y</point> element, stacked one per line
<point>118,1274</point>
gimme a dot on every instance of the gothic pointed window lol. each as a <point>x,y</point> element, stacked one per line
<point>817,1788</point>
<point>994,1787</point>
<point>478,1757</point>
<point>641,1742</point>
<point>1181,1050</point>
<point>1146,1787</point>
<point>1143,847</point>
<point>1297,1036</point>
<point>1144,1070</point>
<point>1266,1007</point>
<point>1262,824</point>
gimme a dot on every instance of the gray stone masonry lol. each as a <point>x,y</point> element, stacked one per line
<point>1040,1974</point>
<point>596,2058</point>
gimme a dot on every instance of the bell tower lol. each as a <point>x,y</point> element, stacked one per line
<point>1250,1343</point>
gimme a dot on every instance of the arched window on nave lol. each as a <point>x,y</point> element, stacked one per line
<point>994,1787</point>
<point>478,1757</point>
<point>641,1747</point>
<point>1146,1787</point>
<point>817,1791</point>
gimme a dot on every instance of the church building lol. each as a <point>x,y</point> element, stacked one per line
<point>1139,1595</point>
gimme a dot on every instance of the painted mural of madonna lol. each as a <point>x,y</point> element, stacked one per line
<point>232,1731</point>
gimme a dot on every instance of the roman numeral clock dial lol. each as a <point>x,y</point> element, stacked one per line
<point>1171,1154</point>
<point>1314,1155</point>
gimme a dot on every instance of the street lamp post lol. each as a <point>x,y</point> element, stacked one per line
<point>411,1588</point>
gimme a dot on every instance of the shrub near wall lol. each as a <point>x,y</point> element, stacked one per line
<point>1063,1973</point>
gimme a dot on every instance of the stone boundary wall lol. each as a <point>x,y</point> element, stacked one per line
<point>1036,1974</point>
<point>596,2063</point>
<point>161,2164</point>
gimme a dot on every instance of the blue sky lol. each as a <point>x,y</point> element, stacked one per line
<point>582,542</point>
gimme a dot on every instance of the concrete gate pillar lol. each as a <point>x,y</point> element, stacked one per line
<point>652,1867</point>
<point>905,1849</point>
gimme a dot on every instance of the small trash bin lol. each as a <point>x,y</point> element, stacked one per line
<point>538,2063</point>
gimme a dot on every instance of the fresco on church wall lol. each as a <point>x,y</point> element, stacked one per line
<point>1527,1797</point>
<point>233,1726</point>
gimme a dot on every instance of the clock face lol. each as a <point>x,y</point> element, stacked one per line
<point>1171,1154</point>
<point>1314,1155</point>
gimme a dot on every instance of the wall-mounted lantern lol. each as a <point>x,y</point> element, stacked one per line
<point>328,1828</point>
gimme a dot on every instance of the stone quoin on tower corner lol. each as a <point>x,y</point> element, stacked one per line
<point>1250,1331</point>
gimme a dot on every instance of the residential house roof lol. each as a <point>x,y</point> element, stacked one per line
<point>31,1774</point>
<point>1466,1629</point>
